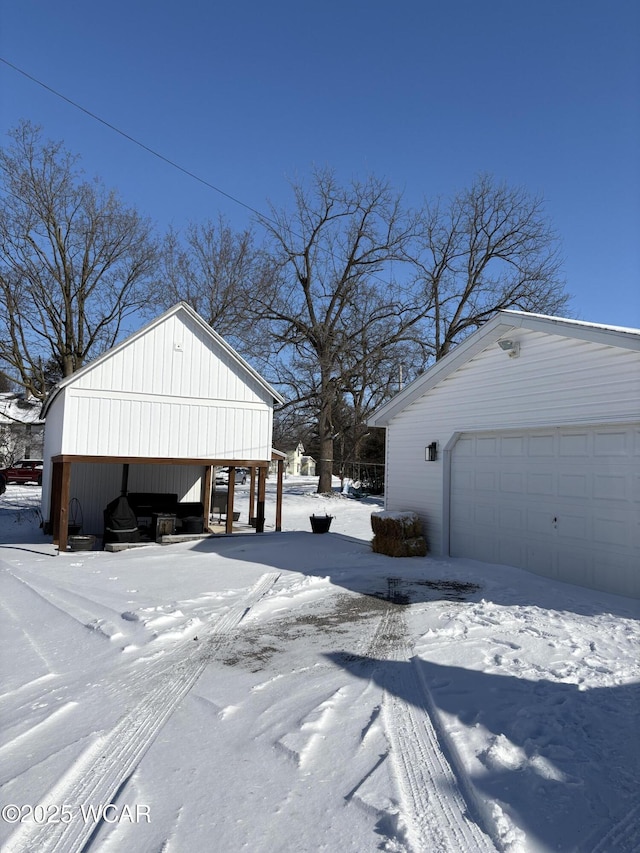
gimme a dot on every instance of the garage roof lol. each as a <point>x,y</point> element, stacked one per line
<point>503,323</point>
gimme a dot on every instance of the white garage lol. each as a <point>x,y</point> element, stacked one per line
<point>534,423</point>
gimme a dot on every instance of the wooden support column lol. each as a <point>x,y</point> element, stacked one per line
<point>262,488</point>
<point>279,495</point>
<point>54,501</point>
<point>206,497</point>
<point>230,493</point>
<point>63,515</point>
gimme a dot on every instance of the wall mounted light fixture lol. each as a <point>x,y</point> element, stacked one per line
<point>510,347</point>
<point>431,452</point>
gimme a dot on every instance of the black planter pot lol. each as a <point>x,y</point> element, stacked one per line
<point>320,523</point>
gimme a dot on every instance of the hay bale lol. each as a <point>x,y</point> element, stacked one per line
<point>414,546</point>
<point>396,525</point>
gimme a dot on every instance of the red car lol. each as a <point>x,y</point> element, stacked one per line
<point>24,471</point>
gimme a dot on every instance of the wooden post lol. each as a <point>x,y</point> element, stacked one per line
<point>63,523</point>
<point>279,495</point>
<point>54,503</point>
<point>206,497</point>
<point>231,489</point>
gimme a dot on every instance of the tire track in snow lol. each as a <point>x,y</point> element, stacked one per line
<point>622,837</point>
<point>103,770</point>
<point>435,810</point>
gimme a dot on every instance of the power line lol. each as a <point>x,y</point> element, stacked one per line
<point>134,140</point>
<point>155,153</point>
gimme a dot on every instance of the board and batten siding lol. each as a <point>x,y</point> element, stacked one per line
<point>556,381</point>
<point>174,359</point>
<point>169,392</point>
<point>121,425</point>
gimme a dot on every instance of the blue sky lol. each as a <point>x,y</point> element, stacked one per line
<point>248,94</point>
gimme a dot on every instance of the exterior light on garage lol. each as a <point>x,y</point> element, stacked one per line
<point>511,347</point>
<point>431,452</point>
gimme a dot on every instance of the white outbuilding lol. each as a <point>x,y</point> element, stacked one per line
<point>152,416</point>
<point>522,447</point>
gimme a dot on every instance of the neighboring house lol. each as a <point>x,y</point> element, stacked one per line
<point>21,428</point>
<point>522,447</point>
<point>153,414</point>
<point>300,463</point>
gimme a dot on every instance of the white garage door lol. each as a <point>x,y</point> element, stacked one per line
<point>559,502</point>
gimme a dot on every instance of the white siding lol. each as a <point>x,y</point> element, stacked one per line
<point>555,381</point>
<point>52,444</point>
<point>173,391</point>
<point>117,425</point>
<point>174,359</point>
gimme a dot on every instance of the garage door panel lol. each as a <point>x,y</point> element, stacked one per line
<point>487,446</point>
<point>564,503</point>
<point>539,521</point>
<point>540,559</point>
<point>485,481</point>
<point>611,443</point>
<point>611,487</point>
<point>541,483</point>
<point>610,531</point>
<point>541,445</point>
<point>575,565</point>
<point>485,514</point>
<point>574,444</point>
<point>572,526</point>
<point>512,446</point>
<point>486,547</point>
<point>512,519</point>
<point>573,485</point>
<point>512,481</point>
<point>462,480</point>
<point>510,552</point>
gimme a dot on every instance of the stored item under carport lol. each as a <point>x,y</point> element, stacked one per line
<point>164,524</point>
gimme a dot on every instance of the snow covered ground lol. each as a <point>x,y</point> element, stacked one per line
<point>297,692</point>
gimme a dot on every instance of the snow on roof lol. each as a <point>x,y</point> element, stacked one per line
<point>568,321</point>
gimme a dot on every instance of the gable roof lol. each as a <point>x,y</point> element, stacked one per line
<point>501,324</point>
<point>193,316</point>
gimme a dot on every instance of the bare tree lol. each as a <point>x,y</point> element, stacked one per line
<point>335,291</point>
<point>6,382</point>
<point>490,248</point>
<point>215,270</point>
<point>75,261</point>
